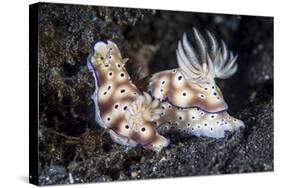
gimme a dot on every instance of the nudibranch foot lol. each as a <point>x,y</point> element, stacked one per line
<point>213,129</point>
<point>158,143</point>
<point>198,122</point>
<point>122,140</point>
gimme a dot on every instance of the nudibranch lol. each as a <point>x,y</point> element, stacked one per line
<point>191,100</point>
<point>120,107</point>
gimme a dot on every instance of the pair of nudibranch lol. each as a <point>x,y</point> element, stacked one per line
<point>186,98</point>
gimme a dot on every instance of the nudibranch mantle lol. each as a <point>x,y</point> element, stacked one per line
<point>172,86</point>
<point>119,105</point>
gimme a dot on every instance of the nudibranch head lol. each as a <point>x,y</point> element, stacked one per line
<point>193,84</point>
<point>103,53</point>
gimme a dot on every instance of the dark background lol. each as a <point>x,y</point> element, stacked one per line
<point>72,147</point>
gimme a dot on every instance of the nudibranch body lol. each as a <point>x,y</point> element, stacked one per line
<point>119,106</point>
<point>191,100</point>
